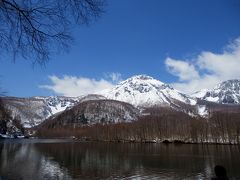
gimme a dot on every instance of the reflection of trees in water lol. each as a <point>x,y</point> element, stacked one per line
<point>8,152</point>
<point>89,160</point>
<point>106,160</point>
<point>22,161</point>
<point>114,160</point>
<point>13,160</point>
<point>228,156</point>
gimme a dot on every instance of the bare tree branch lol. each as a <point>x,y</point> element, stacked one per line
<point>34,29</point>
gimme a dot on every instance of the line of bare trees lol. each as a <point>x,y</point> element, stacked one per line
<point>221,127</point>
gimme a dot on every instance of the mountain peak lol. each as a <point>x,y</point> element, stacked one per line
<point>143,90</point>
<point>141,77</point>
<point>141,80</point>
<point>232,84</point>
<point>227,92</point>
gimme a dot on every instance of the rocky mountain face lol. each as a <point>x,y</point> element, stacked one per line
<point>227,92</point>
<point>225,97</point>
<point>145,91</point>
<point>32,111</point>
<point>8,125</point>
<point>93,112</point>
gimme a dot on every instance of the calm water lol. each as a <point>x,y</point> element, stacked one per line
<point>63,159</point>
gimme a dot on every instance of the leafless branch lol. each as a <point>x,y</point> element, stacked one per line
<point>34,29</point>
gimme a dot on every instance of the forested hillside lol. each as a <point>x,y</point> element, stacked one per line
<point>165,126</point>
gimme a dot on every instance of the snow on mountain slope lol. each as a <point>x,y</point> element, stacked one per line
<point>32,111</point>
<point>199,94</point>
<point>227,92</point>
<point>202,110</point>
<point>58,103</point>
<point>145,91</point>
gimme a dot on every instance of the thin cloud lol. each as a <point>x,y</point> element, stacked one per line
<point>113,77</point>
<point>207,69</point>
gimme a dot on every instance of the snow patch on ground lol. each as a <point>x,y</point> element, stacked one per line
<point>212,99</point>
<point>202,110</point>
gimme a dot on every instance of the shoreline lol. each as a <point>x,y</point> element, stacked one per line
<point>166,142</point>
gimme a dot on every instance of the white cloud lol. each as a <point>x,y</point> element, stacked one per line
<point>207,69</point>
<point>76,86</point>
<point>184,70</point>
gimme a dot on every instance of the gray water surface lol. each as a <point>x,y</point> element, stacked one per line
<point>67,159</point>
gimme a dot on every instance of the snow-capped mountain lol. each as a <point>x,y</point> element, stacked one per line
<point>227,92</point>
<point>32,111</point>
<point>145,91</point>
<point>140,91</point>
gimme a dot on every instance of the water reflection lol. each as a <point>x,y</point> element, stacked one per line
<point>23,161</point>
<point>74,160</point>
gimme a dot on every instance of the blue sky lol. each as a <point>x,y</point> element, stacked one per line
<point>168,39</point>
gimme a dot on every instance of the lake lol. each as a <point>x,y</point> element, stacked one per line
<point>68,159</point>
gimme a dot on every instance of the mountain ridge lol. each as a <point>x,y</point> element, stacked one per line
<point>141,91</point>
<point>226,92</point>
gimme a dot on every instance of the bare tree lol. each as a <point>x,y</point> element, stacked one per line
<point>34,29</point>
